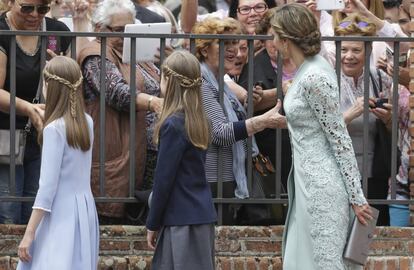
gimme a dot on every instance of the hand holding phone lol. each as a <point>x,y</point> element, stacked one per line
<point>379,103</point>
<point>390,55</point>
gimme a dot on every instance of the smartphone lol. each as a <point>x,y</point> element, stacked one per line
<point>390,55</point>
<point>403,60</point>
<point>330,4</point>
<point>380,103</point>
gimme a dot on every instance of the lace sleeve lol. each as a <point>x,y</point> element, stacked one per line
<point>322,95</point>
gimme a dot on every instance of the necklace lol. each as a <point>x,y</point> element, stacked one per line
<point>12,26</point>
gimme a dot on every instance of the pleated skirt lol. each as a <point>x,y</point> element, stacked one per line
<point>186,247</point>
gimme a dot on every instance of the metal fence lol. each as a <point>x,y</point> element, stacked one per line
<point>279,196</point>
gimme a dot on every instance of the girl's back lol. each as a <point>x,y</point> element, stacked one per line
<point>74,164</point>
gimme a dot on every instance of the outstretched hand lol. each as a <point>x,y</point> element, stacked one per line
<point>275,119</point>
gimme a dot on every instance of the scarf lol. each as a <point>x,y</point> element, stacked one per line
<point>233,110</point>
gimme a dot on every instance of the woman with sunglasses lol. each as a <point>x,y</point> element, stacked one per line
<point>24,15</point>
<point>324,183</point>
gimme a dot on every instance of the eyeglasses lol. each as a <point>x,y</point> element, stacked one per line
<point>348,23</point>
<point>116,29</point>
<point>27,9</point>
<point>259,8</point>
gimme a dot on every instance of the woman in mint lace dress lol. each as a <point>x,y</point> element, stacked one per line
<point>324,181</point>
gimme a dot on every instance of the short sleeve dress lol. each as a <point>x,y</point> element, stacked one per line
<point>67,238</point>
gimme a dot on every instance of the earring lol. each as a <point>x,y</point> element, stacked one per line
<point>285,52</point>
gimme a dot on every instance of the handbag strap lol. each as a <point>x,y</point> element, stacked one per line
<point>376,84</point>
<point>36,99</point>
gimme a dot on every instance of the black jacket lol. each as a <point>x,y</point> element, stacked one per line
<point>147,16</point>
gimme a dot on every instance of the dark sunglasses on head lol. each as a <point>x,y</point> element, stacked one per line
<point>345,24</point>
<point>27,9</point>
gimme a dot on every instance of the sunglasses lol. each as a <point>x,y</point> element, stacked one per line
<point>259,8</point>
<point>116,29</point>
<point>27,9</point>
<point>345,24</point>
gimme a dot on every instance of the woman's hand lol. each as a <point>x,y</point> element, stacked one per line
<point>357,109</point>
<point>363,213</point>
<point>157,104</point>
<point>257,96</point>
<point>36,113</point>
<point>152,239</point>
<point>403,73</point>
<point>168,50</point>
<point>358,7</point>
<point>384,114</point>
<point>273,118</point>
<point>312,6</point>
<point>79,9</point>
<point>24,247</point>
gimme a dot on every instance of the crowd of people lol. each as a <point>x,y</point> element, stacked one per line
<point>190,133</point>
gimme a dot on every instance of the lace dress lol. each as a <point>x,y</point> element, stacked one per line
<point>324,179</point>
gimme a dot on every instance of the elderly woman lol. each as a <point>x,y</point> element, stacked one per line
<point>112,16</point>
<point>352,103</point>
<point>229,125</point>
<point>24,15</point>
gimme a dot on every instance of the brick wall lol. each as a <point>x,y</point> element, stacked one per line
<point>238,248</point>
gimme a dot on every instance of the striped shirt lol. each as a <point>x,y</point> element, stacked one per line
<point>224,134</point>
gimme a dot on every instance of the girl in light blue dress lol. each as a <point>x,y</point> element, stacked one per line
<point>63,230</point>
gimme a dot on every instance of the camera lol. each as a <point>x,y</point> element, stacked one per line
<point>259,83</point>
<point>380,103</point>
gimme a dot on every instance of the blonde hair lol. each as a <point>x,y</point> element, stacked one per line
<point>353,29</point>
<point>64,99</point>
<point>181,70</point>
<point>213,26</point>
<point>297,24</point>
<point>375,6</point>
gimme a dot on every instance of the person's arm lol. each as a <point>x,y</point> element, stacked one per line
<point>322,95</point>
<point>33,111</point>
<point>188,17</point>
<point>270,119</point>
<point>81,22</point>
<point>117,94</point>
<point>268,100</point>
<point>223,132</point>
<point>52,155</point>
<point>238,90</point>
<point>29,235</point>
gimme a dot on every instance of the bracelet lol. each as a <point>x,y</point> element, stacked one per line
<point>149,103</point>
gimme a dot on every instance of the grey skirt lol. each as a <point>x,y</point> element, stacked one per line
<point>187,247</point>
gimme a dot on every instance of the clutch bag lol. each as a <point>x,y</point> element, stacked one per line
<point>360,238</point>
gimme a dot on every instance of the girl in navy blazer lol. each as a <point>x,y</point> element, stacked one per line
<point>180,224</point>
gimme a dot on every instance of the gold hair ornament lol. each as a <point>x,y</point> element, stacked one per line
<point>72,87</point>
<point>185,81</point>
